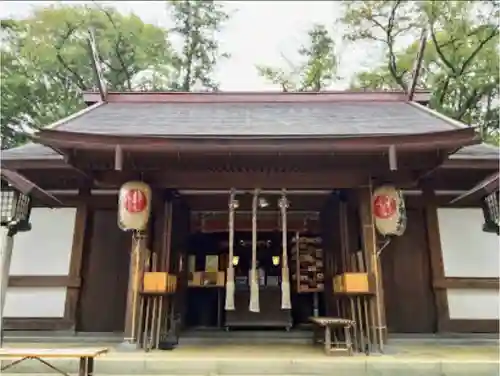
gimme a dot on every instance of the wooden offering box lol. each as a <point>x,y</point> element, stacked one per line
<point>207,279</point>
<point>353,283</point>
<point>159,282</point>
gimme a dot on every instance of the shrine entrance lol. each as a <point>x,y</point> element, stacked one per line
<point>273,237</point>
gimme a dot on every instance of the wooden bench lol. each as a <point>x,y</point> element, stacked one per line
<point>86,356</point>
<point>330,326</point>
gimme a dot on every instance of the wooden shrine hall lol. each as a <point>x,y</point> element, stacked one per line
<point>261,211</point>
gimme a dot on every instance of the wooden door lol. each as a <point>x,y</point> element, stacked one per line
<point>104,276</point>
<point>407,280</point>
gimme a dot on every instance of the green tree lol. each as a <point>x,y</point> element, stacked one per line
<point>197,24</point>
<point>315,72</point>
<point>460,63</point>
<point>46,62</point>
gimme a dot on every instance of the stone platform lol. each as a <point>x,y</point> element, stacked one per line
<point>405,358</point>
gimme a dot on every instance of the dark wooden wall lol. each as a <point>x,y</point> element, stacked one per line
<point>104,275</point>
<point>407,280</point>
<point>178,262</point>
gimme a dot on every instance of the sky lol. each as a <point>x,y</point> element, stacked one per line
<point>259,32</point>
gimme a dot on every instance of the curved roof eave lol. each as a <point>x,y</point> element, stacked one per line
<point>353,143</point>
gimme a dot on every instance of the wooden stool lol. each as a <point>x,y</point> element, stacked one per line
<point>329,326</point>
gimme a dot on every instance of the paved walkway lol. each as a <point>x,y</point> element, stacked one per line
<point>401,360</point>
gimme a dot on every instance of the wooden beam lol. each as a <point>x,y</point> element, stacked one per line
<point>373,265</point>
<point>37,323</point>
<point>75,265</point>
<point>413,143</point>
<point>436,256</point>
<point>472,326</point>
<point>219,224</point>
<point>467,283</point>
<point>136,270</point>
<point>248,180</point>
<point>44,281</point>
<point>256,97</point>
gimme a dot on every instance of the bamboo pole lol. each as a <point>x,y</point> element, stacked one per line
<point>375,271</point>
<point>167,253</point>
<point>137,237</point>
<point>365,301</point>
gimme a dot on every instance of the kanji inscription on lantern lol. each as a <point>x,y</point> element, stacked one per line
<point>384,206</point>
<point>135,201</point>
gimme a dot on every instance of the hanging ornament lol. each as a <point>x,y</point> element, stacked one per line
<point>389,211</point>
<point>232,206</point>
<point>286,302</point>
<point>134,206</point>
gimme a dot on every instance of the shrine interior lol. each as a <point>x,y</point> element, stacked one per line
<point>208,261</point>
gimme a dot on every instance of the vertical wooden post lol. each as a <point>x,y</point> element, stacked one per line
<point>136,270</point>
<point>370,249</point>
<point>330,229</point>
<point>75,264</point>
<point>436,257</point>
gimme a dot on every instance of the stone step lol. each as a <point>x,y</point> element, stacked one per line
<point>340,366</point>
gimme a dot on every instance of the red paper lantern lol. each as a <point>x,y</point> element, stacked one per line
<point>384,206</point>
<point>135,201</point>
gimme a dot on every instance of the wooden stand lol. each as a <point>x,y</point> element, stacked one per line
<point>307,257</point>
<point>329,326</point>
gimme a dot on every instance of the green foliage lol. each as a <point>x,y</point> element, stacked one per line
<point>46,62</point>
<point>197,24</point>
<point>460,63</point>
<point>316,71</point>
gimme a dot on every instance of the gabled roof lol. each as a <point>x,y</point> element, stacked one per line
<point>256,119</point>
<point>240,115</point>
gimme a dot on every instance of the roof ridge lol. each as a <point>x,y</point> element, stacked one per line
<point>438,115</point>
<point>74,116</point>
<point>60,122</point>
<point>451,121</point>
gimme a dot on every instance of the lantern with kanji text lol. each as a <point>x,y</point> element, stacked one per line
<point>389,211</point>
<point>134,206</point>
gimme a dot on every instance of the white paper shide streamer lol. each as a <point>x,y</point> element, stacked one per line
<point>229,306</point>
<point>254,284</point>
<point>286,302</point>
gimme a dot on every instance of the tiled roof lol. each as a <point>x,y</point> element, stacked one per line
<point>481,151</point>
<point>256,119</point>
<point>253,119</point>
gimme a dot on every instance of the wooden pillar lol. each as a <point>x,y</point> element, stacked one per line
<point>136,269</point>
<point>370,249</point>
<point>330,233</point>
<point>75,264</point>
<point>436,257</point>
<point>181,221</point>
<point>162,233</point>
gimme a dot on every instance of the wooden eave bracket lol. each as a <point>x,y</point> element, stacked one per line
<point>393,158</point>
<point>118,158</point>
<point>483,188</point>
<point>27,187</point>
